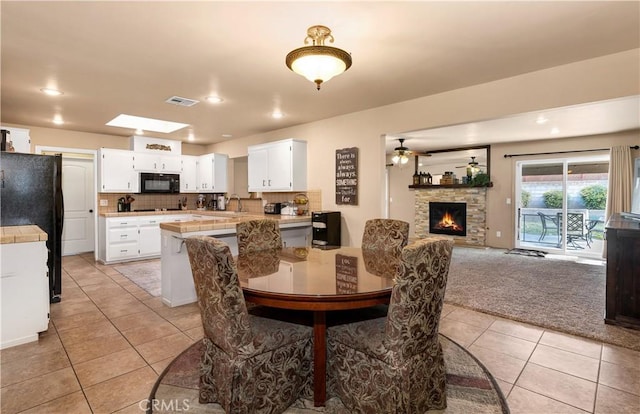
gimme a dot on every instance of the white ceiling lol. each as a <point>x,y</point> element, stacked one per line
<point>129,57</point>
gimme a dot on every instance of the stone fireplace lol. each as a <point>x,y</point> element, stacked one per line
<point>448,218</point>
<point>474,200</point>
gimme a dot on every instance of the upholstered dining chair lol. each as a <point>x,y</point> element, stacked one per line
<point>260,234</point>
<point>385,234</point>
<point>250,364</point>
<point>395,364</point>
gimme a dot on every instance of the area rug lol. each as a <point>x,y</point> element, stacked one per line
<point>557,294</point>
<point>527,252</point>
<point>144,274</point>
<point>470,387</point>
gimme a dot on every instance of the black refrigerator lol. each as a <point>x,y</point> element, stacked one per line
<point>31,193</point>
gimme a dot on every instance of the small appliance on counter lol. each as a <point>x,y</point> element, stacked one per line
<point>222,203</point>
<point>288,209</point>
<point>326,229</point>
<point>201,202</point>
<point>273,208</point>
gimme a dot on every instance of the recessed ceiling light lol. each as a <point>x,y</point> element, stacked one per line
<point>147,124</point>
<point>139,131</point>
<point>58,120</point>
<point>191,137</point>
<point>51,92</point>
<point>227,135</point>
<point>541,120</point>
<point>214,99</point>
<point>277,114</point>
<point>554,130</point>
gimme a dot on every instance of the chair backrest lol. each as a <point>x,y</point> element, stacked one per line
<point>418,296</point>
<point>261,234</point>
<point>575,224</point>
<point>385,234</point>
<point>222,307</point>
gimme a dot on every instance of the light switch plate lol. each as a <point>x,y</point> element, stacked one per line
<point>104,202</point>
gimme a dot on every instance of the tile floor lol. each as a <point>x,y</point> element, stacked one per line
<point>108,341</point>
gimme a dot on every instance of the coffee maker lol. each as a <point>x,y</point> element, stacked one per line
<point>201,202</point>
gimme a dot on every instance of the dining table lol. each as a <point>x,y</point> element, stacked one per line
<point>319,280</point>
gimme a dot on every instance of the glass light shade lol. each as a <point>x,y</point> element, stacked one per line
<point>318,66</point>
<point>404,159</point>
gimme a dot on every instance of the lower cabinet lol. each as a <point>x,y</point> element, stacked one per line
<point>24,285</point>
<point>131,238</point>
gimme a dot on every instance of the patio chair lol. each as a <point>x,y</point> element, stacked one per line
<point>576,230</point>
<point>250,364</point>
<point>549,222</point>
<point>394,364</point>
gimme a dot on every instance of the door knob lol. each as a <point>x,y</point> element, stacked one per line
<point>91,211</point>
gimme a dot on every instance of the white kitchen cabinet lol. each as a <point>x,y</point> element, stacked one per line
<point>149,235</point>
<point>118,239</point>
<point>25,292</point>
<point>212,173</point>
<point>19,138</point>
<point>278,166</point>
<point>157,163</point>
<point>189,174</point>
<point>117,174</point>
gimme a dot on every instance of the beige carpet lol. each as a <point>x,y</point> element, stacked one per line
<point>551,293</point>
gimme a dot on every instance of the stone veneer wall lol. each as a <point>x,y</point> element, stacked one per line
<point>476,199</point>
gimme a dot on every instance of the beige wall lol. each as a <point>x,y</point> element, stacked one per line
<point>592,80</point>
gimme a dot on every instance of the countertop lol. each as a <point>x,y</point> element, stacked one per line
<point>219,220</point>
<point>21,234</point>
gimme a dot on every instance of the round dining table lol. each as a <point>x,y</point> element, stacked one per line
<point>319,280</point>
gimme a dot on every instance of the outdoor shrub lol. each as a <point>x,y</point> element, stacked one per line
<point>525,198</point>
<point>594,197</point>
<point>553,199</point>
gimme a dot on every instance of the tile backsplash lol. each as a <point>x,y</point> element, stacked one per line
<point>170,201</point>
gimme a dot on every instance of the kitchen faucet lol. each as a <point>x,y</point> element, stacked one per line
<point>239,206</point>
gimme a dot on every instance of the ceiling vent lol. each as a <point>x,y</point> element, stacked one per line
<point>177,100</point>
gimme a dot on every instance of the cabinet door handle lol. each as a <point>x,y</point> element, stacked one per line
<point>123,236</point>
<point>269,183</point>
<point>155,166</point>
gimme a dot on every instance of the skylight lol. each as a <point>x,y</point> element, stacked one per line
<point>147,124</point>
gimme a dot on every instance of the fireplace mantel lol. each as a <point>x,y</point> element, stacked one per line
<point>432,186</point>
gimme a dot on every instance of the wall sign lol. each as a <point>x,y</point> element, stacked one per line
<point>347,176</point>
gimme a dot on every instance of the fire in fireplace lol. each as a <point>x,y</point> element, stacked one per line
<point>448,218</point>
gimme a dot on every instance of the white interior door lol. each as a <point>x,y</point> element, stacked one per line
<point>79,205</point>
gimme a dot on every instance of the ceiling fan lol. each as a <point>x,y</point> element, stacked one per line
<point>401,154</point>
<point>472,167</point>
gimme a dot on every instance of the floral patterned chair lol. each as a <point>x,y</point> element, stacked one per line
<point>385,234</point>
<point>395,364</point>
<point>250,364</point>
<point>259,234</point>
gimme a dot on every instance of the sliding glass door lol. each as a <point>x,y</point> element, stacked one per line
<point>560,205</point>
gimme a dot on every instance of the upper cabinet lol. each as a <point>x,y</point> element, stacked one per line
<point>211,174</point>
<point>278,166</point>
<point>117,174</point>
<point>189,174</point>
<point>157,163</point>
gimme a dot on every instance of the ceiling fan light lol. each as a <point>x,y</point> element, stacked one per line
<point>404,159</point>
<point>318,63</point>
<point>395,159</point>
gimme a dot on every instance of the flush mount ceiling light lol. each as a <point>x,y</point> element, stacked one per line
<point>318,62</point>
<point>401,153</point>
<point>146,124</point>
<point>51,91</point>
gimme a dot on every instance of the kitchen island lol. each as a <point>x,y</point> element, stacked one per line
<point>176,277</point>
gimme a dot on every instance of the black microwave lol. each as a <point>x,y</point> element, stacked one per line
<point>159,183</point>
